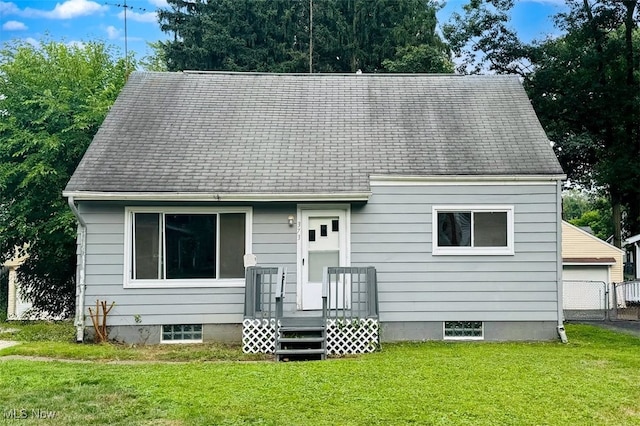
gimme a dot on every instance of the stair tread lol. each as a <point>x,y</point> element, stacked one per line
<point>301,339</point>
<point>299,351</point>
<point>301,328</point>
<point>302,322</point>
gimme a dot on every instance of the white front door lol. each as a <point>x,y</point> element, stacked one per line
<point>323,237</point>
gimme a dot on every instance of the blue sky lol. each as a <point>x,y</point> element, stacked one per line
<point>83,20</point>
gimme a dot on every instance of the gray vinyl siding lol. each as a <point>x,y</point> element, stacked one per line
<point>393,232</point>
<point>274,243</point>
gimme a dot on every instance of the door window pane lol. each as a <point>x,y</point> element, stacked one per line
<point>232,245</point>
<point>147,246</point>
<point>190,245</point>
<point>318,260</point>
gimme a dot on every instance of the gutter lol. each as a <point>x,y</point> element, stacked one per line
<point>561,332</point>
<point>80,277</point>
<point>218,197</point>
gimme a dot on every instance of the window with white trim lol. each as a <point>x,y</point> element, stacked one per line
<point>186,246</point>
<point>463,330</point>
<point>473,230</point>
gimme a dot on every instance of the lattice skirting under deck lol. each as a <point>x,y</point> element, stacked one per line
<point>352,336</point>
<point>344,336</point>
<point>259,336</point>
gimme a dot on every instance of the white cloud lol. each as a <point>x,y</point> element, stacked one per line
<point>76,43</point>
<point>7,8</point>
<point>149,17</point>
<point>32,41</point>
<point>69,9</point>
<point>112,32</point>
<point>159,3</point>
<point>74,8</point>
<point>14,26</point>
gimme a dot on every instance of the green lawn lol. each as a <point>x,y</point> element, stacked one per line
<point>595,379</point>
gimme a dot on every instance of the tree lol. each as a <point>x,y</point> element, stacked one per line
<point>584,209</point>
<point>53,98</point>
<point>589,107</point>
<point>157,60</point>
<point>275,36</point>
<point>584,85</point>
<point>482,39</point>
<point>575,203</point>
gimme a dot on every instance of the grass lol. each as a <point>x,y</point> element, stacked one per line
<point>37,331</point>
<point>592,380</point>
<point>57,340</point>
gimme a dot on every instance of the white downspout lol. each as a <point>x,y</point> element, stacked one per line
<point>80,278</point>
<point>561,332</point>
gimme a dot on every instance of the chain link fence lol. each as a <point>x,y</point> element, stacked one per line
<point>626,298</point>
<point>586,300</point>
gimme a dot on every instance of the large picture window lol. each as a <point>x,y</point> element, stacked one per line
<point>473,230</point>
<point>185,247</point>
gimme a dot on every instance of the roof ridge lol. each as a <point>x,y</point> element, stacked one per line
<point>260,73</point>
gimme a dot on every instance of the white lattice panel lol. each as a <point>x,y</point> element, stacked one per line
<point>352,336</point>
<point>258,336</point>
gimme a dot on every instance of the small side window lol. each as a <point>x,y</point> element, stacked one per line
<point>463,330</point>
<point>181,333</point>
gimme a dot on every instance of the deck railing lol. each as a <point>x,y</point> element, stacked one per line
<point>349,319</point>
<point>262,288</point>
<point>349,293</point>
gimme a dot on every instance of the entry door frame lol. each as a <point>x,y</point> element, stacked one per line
<point>321,210</point>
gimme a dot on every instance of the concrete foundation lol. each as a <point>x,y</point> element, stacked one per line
<point>493,331</point>
<point>390,332</point>
<point>151,334</point>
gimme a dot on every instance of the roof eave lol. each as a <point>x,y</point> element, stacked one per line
<point>594,260</point>
<point>216,197</point>
<point>392,180</point>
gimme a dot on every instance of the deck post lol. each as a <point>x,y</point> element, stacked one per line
<point>249,292</point>
<point>372,292</point>
<point>280,292</point>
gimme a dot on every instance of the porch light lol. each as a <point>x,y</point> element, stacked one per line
<point>290,219</point>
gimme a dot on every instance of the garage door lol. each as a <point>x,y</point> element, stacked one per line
<point>585,273</point>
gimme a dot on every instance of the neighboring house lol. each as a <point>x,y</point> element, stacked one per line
<point>586,257</point>
<point>446,184</point>
<point>589,267</point>
<point>634,244</point>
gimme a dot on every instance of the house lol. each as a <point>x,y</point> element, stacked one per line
<point>586,257</point>
<point>633,242</point>
<point>628,294</point>
<point>589,268</point>
<point>445,185</point>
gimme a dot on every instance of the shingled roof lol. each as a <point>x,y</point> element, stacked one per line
<point>323,133</point>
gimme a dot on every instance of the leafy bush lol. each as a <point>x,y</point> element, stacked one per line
<point>4,293</point>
